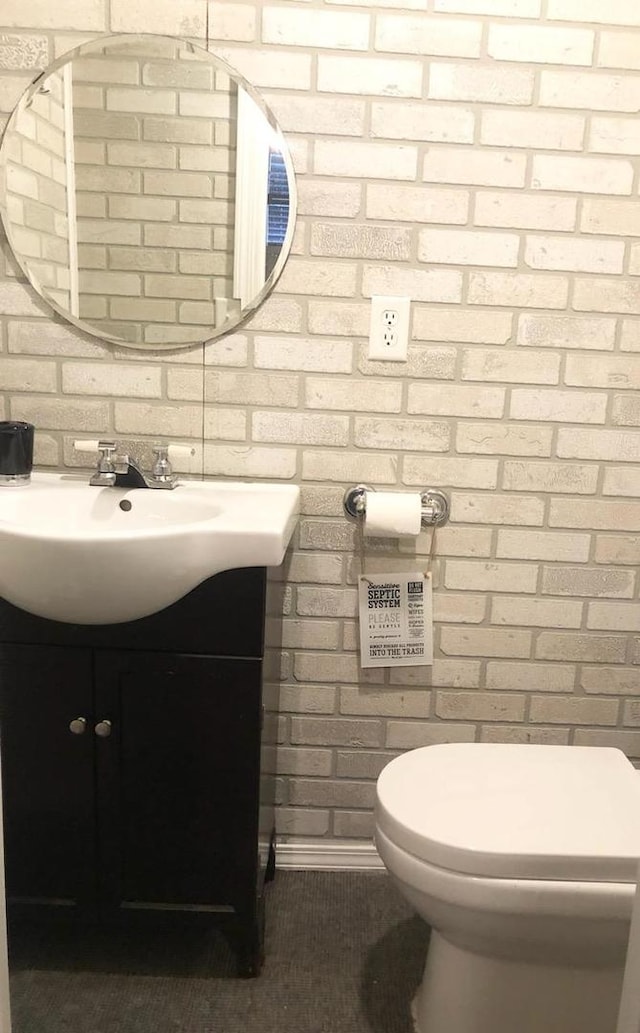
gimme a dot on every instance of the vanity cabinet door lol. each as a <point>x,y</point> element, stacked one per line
<point>46,735</point>
<point>177,779</point>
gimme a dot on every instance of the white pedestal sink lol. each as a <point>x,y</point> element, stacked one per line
<point>87,555</point>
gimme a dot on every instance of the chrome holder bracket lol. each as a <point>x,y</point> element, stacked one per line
<point>435,505</point>
<point>355,501</point>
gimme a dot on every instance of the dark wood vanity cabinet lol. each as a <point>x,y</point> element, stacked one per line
<point>137,763</point>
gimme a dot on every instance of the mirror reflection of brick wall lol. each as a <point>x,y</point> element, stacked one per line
<point>36,181</point>
<point>155,161</point>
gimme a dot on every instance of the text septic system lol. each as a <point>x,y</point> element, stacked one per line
<point>383,596</point>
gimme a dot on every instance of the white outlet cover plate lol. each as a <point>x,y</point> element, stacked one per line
<point>383,347</point>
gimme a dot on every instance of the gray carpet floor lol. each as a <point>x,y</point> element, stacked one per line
<point>344,954</point>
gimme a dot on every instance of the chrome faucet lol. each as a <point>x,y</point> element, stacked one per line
<point>123,471</point>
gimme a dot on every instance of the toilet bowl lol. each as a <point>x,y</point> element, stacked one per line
<point>523,860</point>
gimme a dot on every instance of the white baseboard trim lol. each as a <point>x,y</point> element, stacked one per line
<point>329,856</point>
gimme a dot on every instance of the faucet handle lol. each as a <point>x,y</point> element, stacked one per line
<point>106,469</point>
<point>161,451</point>
<point>106,449</point>
<point>162,471</point>
<point>106,456</point>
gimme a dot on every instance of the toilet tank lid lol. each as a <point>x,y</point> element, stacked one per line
<point>521,811</point>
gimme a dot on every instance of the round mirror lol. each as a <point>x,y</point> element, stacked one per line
<point>147,192</point>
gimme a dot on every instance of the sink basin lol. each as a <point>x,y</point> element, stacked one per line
<point>86,555</point>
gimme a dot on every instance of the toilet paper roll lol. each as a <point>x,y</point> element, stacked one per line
<point>390,514</point>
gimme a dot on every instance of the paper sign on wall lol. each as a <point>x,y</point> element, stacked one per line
<point>396,619</point>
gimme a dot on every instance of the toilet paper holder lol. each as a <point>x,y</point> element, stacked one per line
<point>435,504</point>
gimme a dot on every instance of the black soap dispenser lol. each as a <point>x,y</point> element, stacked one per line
<point>16,452</point>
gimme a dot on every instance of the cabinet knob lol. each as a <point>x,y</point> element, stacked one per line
<point>78,726</point>
<point>103,729</point>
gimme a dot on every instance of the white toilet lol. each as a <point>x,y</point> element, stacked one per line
<point>523,859</point>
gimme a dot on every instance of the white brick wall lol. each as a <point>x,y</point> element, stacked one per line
<point>468,82</point>
<point>543,44</point>
<point>481,158</point>
<point>532,129</point>
<point>522,210</point>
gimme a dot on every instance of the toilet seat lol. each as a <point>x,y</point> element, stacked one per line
<point>535,898</point>
<point>515,811</point>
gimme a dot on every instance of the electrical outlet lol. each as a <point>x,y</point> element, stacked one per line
<point>389,330</point>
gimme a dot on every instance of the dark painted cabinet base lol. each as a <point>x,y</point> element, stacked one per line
<point>137,765</point>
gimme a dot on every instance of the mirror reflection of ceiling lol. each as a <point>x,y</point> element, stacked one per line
<point>148,193</point>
